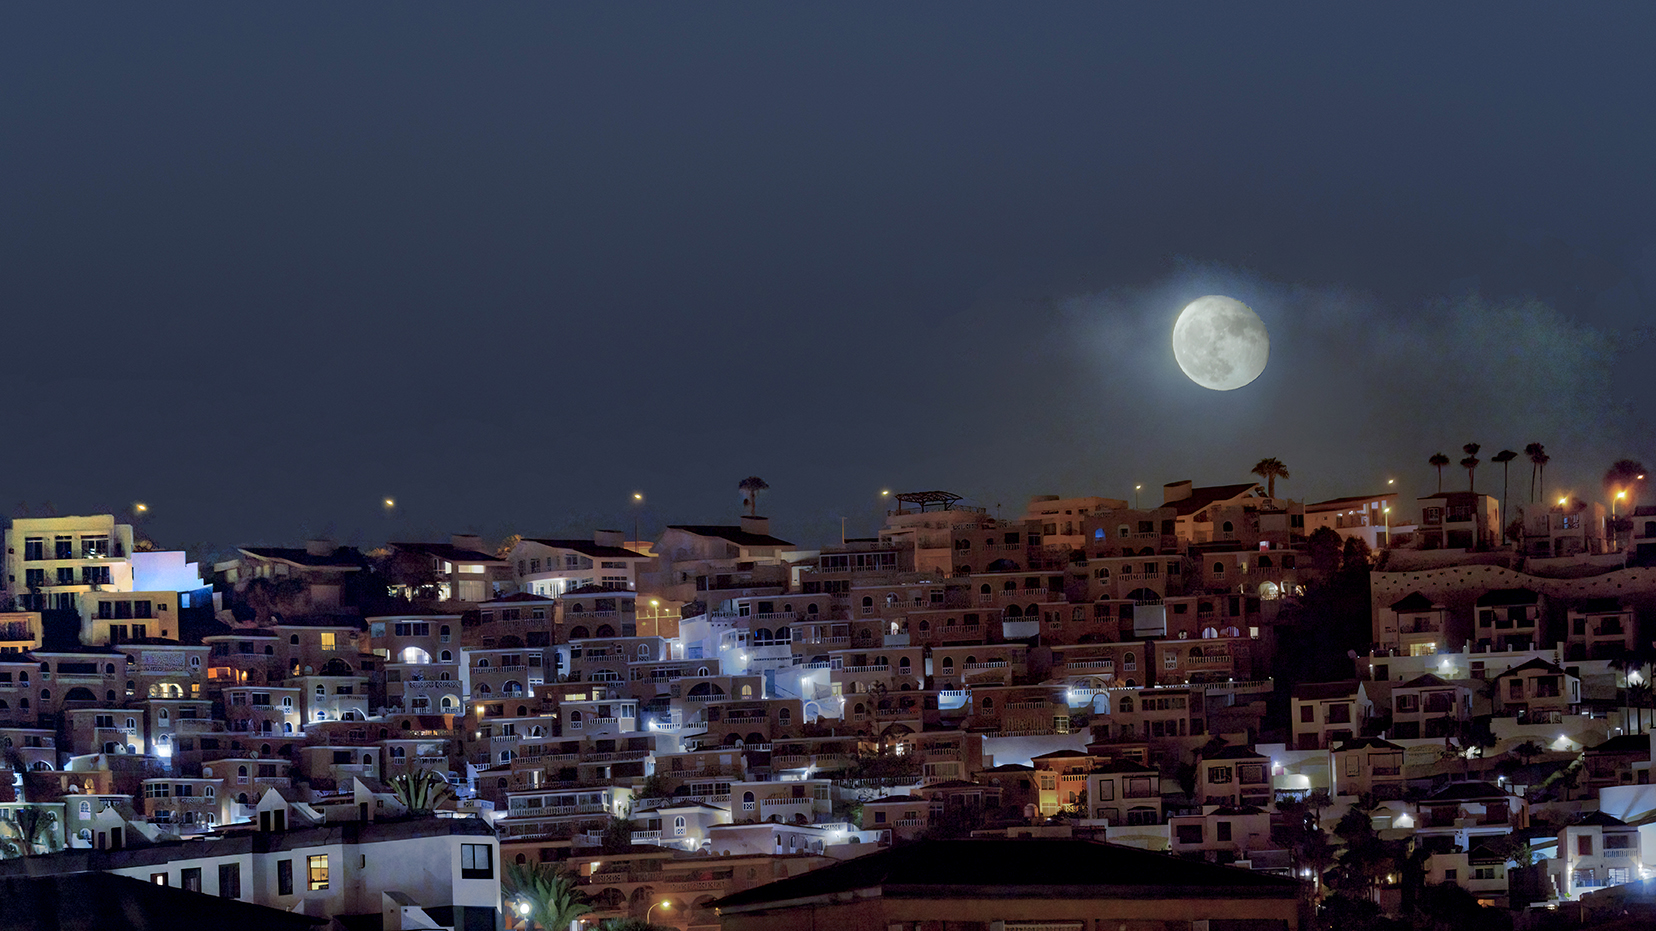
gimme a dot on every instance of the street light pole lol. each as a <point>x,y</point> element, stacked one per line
<point>665,903</point>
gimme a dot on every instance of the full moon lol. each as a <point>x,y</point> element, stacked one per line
<point>1220,343</point>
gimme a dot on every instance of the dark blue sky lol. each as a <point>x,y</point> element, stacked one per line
<point>263,265</point>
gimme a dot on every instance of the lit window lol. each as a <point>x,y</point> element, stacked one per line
<point>317,870</point>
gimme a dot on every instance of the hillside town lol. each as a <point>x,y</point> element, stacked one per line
<point>1363,712</point>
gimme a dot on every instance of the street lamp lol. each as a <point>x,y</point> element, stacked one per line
<point>638,502</point>
<point>1387,511</point>
<point>1136,489</point>
<point>664,903</point>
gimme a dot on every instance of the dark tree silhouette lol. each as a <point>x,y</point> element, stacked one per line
<point>1270,470</point>
<point>1504,457</point>
<point>1470,464</point>
<point>1625,475</point>
<point>1438,461</point>
<point>1538,466</point>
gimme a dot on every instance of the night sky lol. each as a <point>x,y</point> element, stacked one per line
<point>263,265</point>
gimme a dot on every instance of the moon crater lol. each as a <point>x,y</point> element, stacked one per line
<point>1220,343</point>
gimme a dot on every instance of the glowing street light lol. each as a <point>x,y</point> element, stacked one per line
<point>664,903</point>
<point>140,507</point>
<point>1136,490</point>
<point>638,500</point>
<point>389,503</point>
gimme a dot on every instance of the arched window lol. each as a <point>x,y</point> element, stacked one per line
<point>1009,586</point>
<point>604,630</point>
<point>747,691</point>
<point>1098,534</point>
<point>868,604</point>
<point>678,826</point>
<point>579,632</point>
<point>294,640</point>
<point>483,662</point>
<point>448,657</point>
<point>925,625</point>
<point>784,717</point>
<point>86,808</point>
<point>984,589</point>
<point>1127,704</point>
<point>748,804</point>
<point>1227,527</point>
<point>1013,611</point>
<point>948,663</point>
<point>988,704</point>
<point>811,609</point>
<point>575,720</point>
<point>1218,568</point>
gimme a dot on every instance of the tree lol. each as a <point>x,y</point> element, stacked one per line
<point>1470,464</point>
<point>1624,475</point>
<point>1538,466</point>
<point>504,550</point>
<point>1527,751</point>
<point>1504,457</point>
<point>421,791</point>
<point>629,924</point>
<point>1438,461</point>
<point>750,488</point>
<point>1270,470</point>
<point>553,895</point>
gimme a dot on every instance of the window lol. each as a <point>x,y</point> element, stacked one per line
<point>317,872</point>
<point>1190,833</point>
<point>284,877</point>
<point>230,880</point>
<point>476,861</point>
<point>160,879</point>
<point>1224,831</point>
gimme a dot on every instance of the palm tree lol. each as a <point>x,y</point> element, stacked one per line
<point>1538,465</point>
<point>36,827</point>
<point>750,488</point>
<point>1270,470</point>
<point>1504,457</point>
<point>1470,464</point>
<point>1438,461</point>
<point>552,895</point>
<point>421,791</point>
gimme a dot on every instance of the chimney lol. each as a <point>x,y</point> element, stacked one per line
<point>1176,491</point>
<point>760,525</point>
